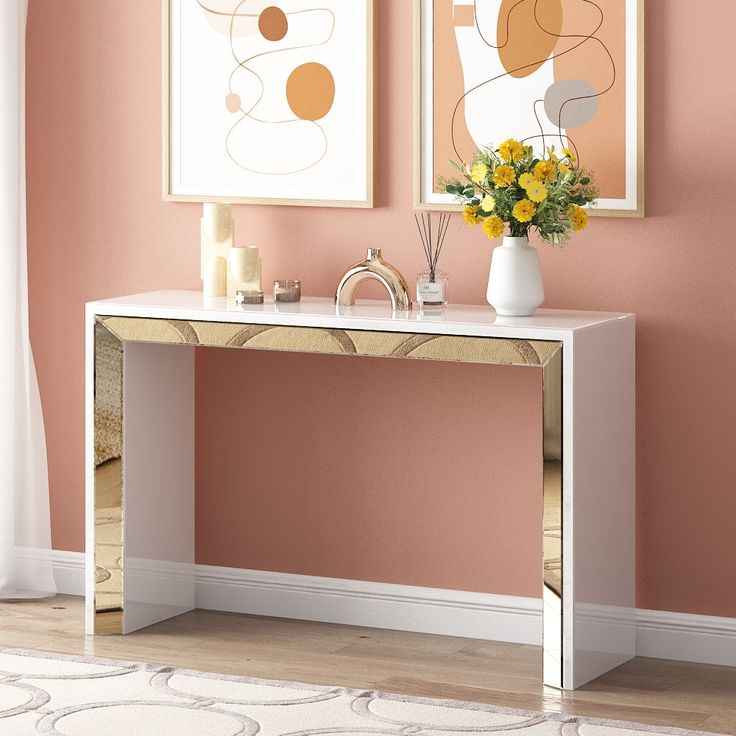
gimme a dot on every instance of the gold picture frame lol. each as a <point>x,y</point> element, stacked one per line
<point>367,181</point>
<point>634,171</point>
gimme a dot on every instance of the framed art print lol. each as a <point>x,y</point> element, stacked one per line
<point>563,73</point>
<point>269,101</point>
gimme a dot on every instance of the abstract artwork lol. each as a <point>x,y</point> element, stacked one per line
<point>269,101</point>
<point>563,73</point>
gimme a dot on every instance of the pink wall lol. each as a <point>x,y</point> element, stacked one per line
<point>340,480</point>
<point>97,227</point>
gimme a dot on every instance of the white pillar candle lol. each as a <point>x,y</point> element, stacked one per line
<point>245,267</point>
<point>215,277</point>
<point>217,219</point>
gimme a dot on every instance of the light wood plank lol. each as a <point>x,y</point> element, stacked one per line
<point>655,692</point>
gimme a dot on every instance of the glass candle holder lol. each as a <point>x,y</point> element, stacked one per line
<point>432,288</point>
<point>287,291</point>
<point>249,296</point>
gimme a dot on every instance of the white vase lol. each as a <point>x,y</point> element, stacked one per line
<point>515,281</point>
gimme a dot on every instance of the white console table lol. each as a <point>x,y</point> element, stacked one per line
<point>140,400</point>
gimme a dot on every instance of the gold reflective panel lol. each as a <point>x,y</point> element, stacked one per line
<point>112,332</point>
<point>108,482</point>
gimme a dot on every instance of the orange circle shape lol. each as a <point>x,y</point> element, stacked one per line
<point>310,91</point>
<point>527,34</point>
<point>273,23</point>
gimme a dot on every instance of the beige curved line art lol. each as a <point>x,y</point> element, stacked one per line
<point>188,334</point>
<point>451,348</point>
<point>526,349</point>
<point>411,344</point>
<point>246,334</point>
<point>228,18</point>
<point>344,340</point>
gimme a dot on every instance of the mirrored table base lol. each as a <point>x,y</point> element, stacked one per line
<point>120,564</point>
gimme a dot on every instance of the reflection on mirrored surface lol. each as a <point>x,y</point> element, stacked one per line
<point>553,526</point>
<point>108,482</point>
<point>108,427</point>
<point>553,612</point>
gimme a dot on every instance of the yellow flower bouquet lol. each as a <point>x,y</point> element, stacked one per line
<point>510,185</point>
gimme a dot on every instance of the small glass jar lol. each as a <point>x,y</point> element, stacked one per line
<point>248,296</point>
<point>432,288</point>
<point>287,291</point>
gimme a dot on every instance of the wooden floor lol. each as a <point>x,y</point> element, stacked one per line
<point>648,691</point>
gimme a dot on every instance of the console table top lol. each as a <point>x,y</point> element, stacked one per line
<point>481,321</point>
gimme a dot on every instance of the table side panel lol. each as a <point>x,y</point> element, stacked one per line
<point>158,483</point>
<point>601,488</point>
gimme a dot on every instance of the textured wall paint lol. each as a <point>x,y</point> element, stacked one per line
<point>97,227</point>
<point>340,479</point>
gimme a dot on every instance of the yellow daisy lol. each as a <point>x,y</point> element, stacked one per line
<point>525,180</point>
<point>579,218</point>
<point>536,191</point>
<point>564,169</point>
<point>544,171</point>
<point>503,176</point>
<point>470,215</point>
<point>478,173</point>
<point>524,210</point>
<point>511,150</point>
<point>569,154</point>
<point>488,203</point>
<point>493,227</point>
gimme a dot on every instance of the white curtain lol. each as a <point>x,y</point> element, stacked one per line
<point>26,569</point>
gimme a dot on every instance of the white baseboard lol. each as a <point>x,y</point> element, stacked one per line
<point>686,636</point>
<point>69,572</point>
<point>659,634</point>
<point>381,605</point>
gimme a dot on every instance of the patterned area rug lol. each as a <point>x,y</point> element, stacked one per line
<point>108,398</point>
<point>44,693</point>
<point>108,570</point>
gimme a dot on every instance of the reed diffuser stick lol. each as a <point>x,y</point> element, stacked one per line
<point>432,241</point>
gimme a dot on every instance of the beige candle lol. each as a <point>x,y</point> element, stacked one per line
<point>217,219</point>
<point>215,277</point>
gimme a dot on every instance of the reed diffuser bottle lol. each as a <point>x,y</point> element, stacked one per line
<point>432,283</point>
